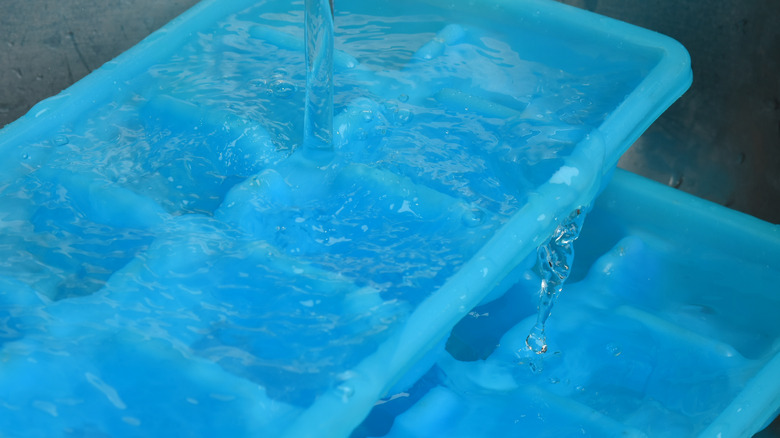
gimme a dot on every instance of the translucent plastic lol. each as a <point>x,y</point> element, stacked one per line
<point>662,331</point>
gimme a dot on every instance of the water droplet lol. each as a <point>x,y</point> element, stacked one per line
<point>346,391</point>
<point>403,98</point>
<point>675,181</point>
<point>536,365</point>
<point>258,83</point>
<point>473,217</point>
<point>536,341</point>
<point>132,421</point>
<point>60,140</point>
<point>368,115</point>
<point>282,89</point>
<point>614,349</point>
<point>403,115</point>
<point>25,156</point>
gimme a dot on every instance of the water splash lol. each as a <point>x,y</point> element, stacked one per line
<point>318,116</point>
<point>554,260</point>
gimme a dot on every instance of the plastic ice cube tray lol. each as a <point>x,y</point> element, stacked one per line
<point>173,263</point>
<point>663,330</point>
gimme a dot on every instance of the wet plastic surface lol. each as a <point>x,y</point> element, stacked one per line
<point>663,330</point>
<point>173,263</point>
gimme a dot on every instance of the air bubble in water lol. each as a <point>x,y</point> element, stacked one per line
<point>282,89</point>
<point>403,98</point>
<point>614,349</point>
<point>473,217</point>
<point>258,83</point>
<point>60,140</point>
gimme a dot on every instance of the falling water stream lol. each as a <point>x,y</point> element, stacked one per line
<point>318,116</point>
<point>554,260</point>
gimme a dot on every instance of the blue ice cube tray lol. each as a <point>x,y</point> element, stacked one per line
<point>667,327</point>
<point>174,263</point>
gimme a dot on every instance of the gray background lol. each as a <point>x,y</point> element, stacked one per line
<point>46,45</point>
<point>720,141</point>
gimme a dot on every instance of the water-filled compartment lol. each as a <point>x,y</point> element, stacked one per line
<point>373,226</point>
<point>267,317</point>
<point>647,340</point>
<point>65,232</point>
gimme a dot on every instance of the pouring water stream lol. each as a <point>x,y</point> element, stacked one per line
<point>318,115</point>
